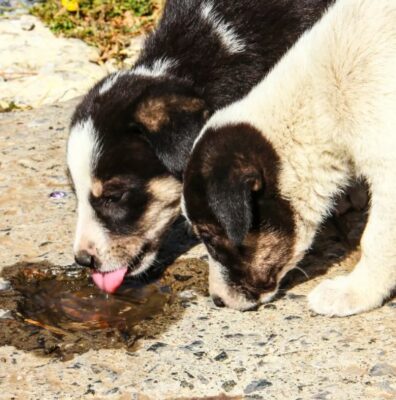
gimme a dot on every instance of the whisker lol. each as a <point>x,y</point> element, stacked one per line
<point>303,272</point>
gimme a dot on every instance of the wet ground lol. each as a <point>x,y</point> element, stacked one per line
<point>53,342</point>
<point>58,311</point>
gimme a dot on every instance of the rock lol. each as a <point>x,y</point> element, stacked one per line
<point>4,285</point>
<point>270,306</point>
<point>157,346</point>
<point>182,278</point>
<point>256,386</point>
<point>39,68</point>
<point>221,357</point>
<point>228,385</point>
<point>197,344</point>
<point>382,369</point>
<point>291,317</point>
<point>187,295</point>
<point>5,314</point>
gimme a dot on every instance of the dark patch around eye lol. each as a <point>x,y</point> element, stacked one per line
<point>120,212</point>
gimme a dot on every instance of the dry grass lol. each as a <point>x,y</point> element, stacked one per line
<point>106,24</point>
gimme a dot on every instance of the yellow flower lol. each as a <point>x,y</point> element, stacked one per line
<point>70,5</point>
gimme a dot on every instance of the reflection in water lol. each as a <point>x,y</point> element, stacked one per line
<point>67,307</point>
<point>72,303</point>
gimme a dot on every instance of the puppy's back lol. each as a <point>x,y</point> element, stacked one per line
<point>354,60</point>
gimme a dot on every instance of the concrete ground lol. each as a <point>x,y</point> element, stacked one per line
<point>281,351</point>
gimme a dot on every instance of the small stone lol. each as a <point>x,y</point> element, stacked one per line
<point>76,365</point>
<point>382,369</point>
<point>27,23</point>
<point>228,385</point>
<point>291,317</point>
<point>194,345</point>
<point>182,278</point>
<point>113,391</point>
<point>233,336</point>
<point>57,195</point>
<point>239,370</point>
<point>185,384</point>
<point>5,314</point>
<point>221,357</point>
<point>4,285</point>
<point>270,306</point>
<point>156,346</point>
<point>257,385</point>
<point>187,295</point>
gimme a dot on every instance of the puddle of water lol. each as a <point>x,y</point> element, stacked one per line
<point>75,304</point>
<point>59,311</point>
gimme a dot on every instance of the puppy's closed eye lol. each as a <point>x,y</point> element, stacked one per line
<point>113,198</point>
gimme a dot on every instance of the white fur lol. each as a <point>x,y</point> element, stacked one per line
<point>111,80</point>
<point>82,153</point>
<point>184,209</point>
<point>226,33</point>
<point>145,263</point>
<point>329,110</point>
<point>157,68</point>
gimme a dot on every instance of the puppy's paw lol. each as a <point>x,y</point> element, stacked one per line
<point>340,297</point>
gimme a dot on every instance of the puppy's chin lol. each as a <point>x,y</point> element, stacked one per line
<point>236,300</point>
<point>267,297</point>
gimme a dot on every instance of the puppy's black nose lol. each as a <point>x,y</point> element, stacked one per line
<point>218,302</point>
<point>84,259</point>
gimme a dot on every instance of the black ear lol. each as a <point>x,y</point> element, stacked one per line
<point>231,203</point>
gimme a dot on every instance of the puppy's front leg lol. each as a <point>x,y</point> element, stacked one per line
<point>374,277</point>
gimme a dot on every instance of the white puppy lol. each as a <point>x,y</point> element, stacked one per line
<point>265,171</point>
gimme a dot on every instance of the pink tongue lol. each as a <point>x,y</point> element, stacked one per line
<point>109,281</point>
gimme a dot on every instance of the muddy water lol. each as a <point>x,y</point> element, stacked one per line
<point>58,311</point>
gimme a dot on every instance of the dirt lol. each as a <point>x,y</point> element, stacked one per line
<point>58,311</point>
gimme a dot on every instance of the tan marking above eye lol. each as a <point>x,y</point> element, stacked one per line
<point>153,113</point>
<point>97,188</point>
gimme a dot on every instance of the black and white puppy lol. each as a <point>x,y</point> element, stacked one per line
<point>265,171</point>
<point>132,134</point>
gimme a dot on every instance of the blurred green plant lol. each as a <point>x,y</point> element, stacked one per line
<point>107,24</point>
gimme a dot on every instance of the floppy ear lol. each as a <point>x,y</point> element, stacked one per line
<point>172,121</point>
<point>231,203</point>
